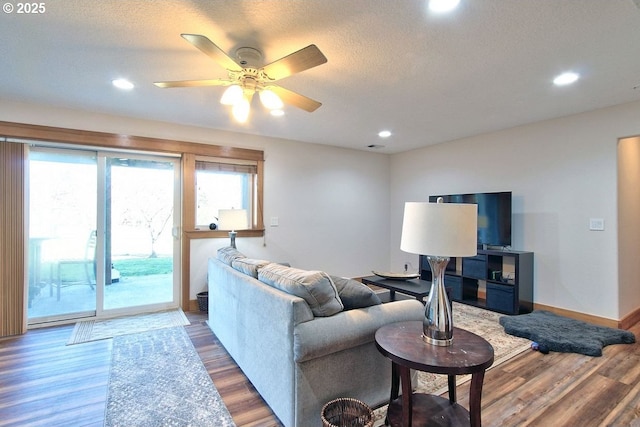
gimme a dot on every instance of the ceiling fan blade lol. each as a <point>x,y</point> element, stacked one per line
<point>213,51</point>
<point>194,83</point>
<point>295,99</point>
<point>301,60</point>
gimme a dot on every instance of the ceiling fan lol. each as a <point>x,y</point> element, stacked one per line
<point>246,77</point>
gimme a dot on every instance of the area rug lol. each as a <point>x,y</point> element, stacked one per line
<point>562,334</point>
<point>157,379</point>
<point>94,330</point>
<point>483,323</point>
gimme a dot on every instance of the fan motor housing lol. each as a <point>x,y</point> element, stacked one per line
<point>249,57</point>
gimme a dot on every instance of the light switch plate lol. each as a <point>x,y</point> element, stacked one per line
<point>274,221</point>
<point>596,224</point>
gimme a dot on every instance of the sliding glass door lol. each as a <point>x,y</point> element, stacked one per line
<point>62,224</point>
<point>140,217</point>
<point>101,234</point>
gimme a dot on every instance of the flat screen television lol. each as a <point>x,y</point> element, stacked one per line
<point>494,215</point>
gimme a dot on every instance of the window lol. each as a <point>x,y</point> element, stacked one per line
<point>224,184</point>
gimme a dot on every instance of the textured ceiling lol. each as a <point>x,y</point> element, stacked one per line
<point>391,64</point>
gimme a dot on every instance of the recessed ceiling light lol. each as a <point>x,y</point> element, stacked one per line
<point>384,133</point>
<point>122,84</point>
<point>443,6</point>
<point>566,78</point>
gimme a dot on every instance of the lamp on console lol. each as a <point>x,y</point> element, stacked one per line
<point>232,220</point>
<point>439,231</point>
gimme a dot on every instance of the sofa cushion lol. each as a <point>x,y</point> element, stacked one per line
<point>249,266</point>
<point>228,254</point>
<point>315,287</point>
<point>354,294</point>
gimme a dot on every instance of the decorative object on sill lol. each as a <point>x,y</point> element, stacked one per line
<point>232,220</point>
<point>396,276</point>
<point>439,231</point>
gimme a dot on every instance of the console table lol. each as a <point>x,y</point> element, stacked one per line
<point>469,354</point>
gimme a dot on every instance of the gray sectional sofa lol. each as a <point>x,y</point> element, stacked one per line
<point>290,333</point>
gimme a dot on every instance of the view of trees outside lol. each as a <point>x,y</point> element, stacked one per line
<point>218,190</point>
<point>62,205</point>
<point>141,210</point>
<point>63,209</point>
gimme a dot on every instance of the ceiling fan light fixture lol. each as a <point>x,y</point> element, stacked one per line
<point>277,113</point>
<point>232,95</point>
<point>270,100</point>
<point>240,110</point>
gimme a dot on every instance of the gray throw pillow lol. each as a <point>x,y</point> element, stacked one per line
<point>248,265</point>
<point>315,287</point>
<point>228,254</point>
<point>354,294</point>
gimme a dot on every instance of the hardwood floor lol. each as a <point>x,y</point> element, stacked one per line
<point>43,382</point>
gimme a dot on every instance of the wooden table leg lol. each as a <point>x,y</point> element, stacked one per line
<point>395,382</point>
<point>407,401</point>
<point>452,388</point>
<point>475,398</point>
<point>395,389</point>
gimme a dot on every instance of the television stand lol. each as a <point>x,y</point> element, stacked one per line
<point>506,277</point>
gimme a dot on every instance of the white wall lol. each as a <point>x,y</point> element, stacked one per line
<point>332,210</point>
<point>331,203</point>
<point>562,172</point>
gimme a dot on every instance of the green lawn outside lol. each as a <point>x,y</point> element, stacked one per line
<point>143,266</point>
<point>131,267</point>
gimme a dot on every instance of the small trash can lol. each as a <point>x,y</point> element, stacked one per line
<point>347,412</point>
<point>203,301</point>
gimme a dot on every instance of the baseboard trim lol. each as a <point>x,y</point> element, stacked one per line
<point>602,321</point>
<point>630,319</point>
<point>193,305</point>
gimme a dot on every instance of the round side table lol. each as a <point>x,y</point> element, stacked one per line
<point>469,354</point>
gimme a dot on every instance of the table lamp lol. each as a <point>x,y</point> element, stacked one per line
<point>439,231</point>
<point>232,220</point>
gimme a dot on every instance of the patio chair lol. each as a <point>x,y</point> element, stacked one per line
<point>88,268</point>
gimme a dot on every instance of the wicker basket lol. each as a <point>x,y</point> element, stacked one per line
<point>203,301</point>
<point>347,412</point>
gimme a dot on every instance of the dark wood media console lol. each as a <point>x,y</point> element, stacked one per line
<point>506,276</point>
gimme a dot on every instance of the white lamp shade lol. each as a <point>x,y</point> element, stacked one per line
<point>232,95</point>
<point>240,110</point>
<point>270,100</point>
<point>233,219</point>
<point>440,229</point>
